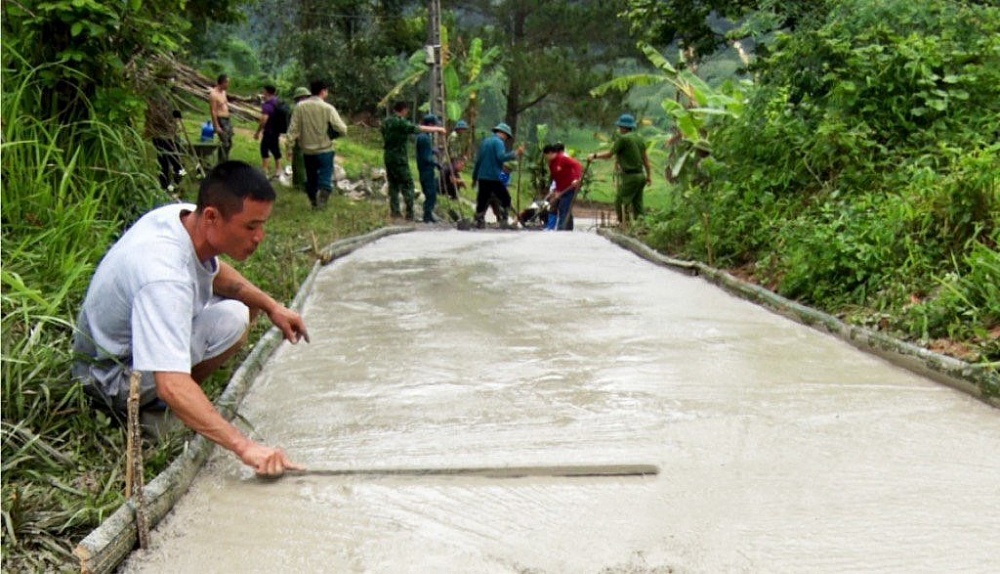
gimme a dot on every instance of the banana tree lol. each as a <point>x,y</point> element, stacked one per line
<point>477,68</point>
<point>538,168</point>
<point>694,108</point>
<point>465,74</point>
<point>416,71</point>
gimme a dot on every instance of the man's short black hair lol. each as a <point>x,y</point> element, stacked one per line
<point>221,79</point>
<point>270,89</point>
<point>553,148</point>
<point>317,86</point>
<point>400,106</point>
<point>229,183</point>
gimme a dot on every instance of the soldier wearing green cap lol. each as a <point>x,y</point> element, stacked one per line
<point>298,160</point>
<point>458,139</point>
<point>396,132</point>
<point>629,150</point>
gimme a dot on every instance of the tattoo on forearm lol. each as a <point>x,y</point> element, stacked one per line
<point>231,289</point>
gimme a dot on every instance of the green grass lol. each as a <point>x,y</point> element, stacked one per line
<point>66,189</point>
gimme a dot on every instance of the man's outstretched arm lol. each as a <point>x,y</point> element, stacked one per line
<point>188,402</point>
<point>231,284</point>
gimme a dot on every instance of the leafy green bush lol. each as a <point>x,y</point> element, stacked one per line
<point>863,166</point>
<point>82,52</point>
<point>972,289</point>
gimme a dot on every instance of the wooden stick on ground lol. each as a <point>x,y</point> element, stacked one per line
<point>133,471</point>
<point>571,470</point>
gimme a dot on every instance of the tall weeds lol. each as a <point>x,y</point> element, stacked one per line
<point>67,191</point>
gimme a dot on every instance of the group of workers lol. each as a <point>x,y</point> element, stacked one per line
<point>310,129</point>
<point>565,172</point>
<point>490,175</point>
<point>314,124</point>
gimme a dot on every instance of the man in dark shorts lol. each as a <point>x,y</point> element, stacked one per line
<point>268,132</point>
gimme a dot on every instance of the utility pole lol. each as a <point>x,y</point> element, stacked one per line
<point>435,57</point>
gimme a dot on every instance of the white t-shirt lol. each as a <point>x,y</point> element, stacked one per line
<point>144,296</point>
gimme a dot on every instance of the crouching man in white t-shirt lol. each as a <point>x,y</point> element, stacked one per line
<point>162,303</point>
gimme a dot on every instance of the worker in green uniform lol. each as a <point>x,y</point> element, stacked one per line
<point>629,151</point>
<point>396,132</point>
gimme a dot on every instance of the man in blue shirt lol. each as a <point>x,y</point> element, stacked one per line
<point>487,173</point>
<point>427,168</point>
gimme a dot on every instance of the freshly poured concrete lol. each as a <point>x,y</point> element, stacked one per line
<point>781,449</point>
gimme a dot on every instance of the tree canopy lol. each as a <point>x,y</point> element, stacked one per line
<point>553,52</point>
<point>98,47</point>
<point>703,26</point>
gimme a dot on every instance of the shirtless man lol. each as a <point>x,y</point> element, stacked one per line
<point>219,103</point>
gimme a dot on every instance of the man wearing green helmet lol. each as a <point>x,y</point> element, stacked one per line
<point>300,94</point>
<point>458,140</point>
<point>487,173</point>
<point>629,151</point>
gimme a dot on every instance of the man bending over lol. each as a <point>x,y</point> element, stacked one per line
<point>162,303</point>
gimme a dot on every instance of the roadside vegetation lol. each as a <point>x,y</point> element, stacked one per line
<point>860,174</point>
<point>853,166</point>
<point>62,205</point>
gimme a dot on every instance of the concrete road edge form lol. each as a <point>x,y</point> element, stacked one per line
<point>977,380</point>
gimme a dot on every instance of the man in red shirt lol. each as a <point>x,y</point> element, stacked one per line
<point>566,172</point>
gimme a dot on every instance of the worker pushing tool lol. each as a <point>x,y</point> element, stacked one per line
<point>162,303</point>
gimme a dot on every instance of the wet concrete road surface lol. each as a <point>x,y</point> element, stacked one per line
<point>781,449</point>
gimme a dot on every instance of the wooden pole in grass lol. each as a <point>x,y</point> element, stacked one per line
<point>517,214</point>
<point>133,462</point>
